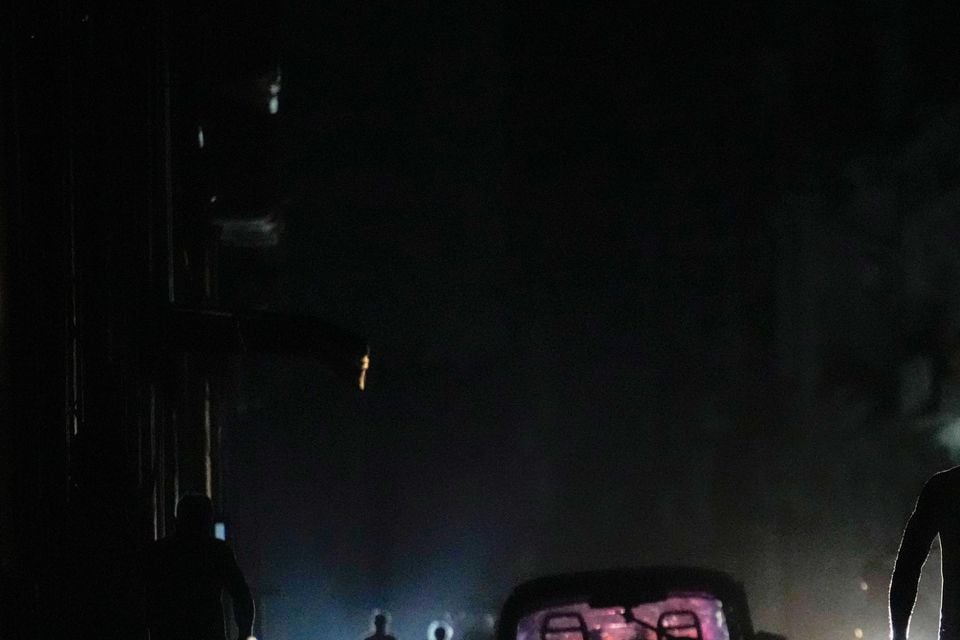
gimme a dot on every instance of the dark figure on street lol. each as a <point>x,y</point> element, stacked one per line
<point>184,577</point>
<point>936,513</point>
<point>380,628</point>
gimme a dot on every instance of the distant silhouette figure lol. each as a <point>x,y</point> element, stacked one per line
<point>440,632</point>
<point>380,628</point>
<point>936,513</point>
<point>185,575</point>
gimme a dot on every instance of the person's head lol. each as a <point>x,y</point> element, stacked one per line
<point>195,515</point>
<point>440,632</point>
<point>380,622</point>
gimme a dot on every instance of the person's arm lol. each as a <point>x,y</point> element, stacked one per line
<point>914,547</point>
<point>236,584</point>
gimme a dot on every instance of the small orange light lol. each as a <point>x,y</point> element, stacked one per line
<point>364,365</point>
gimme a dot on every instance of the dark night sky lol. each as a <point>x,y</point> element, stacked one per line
<point>639,283</point>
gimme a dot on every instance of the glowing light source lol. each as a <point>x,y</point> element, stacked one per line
<point>858,633</point>
<point>437,624</point>
<point>364,365</point>
<point>220,531</point>
<point>864,586</point>
<point>200,139</point>
<point>948,436</point>
<point>263,231</point>
<point>274,103</point>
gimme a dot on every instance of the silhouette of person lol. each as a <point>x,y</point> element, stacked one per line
<point>935,514</point>
<point>440,633</point>
<point>380,628</point>
<point>185,575</point>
